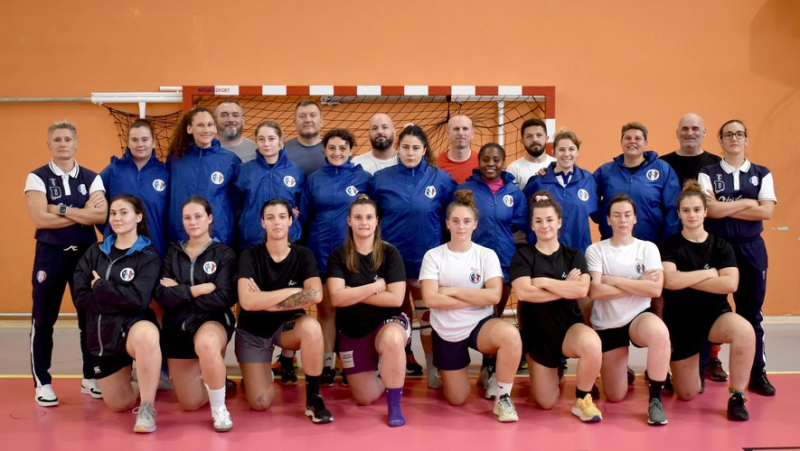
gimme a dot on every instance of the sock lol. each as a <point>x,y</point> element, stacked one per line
<point>735,391</point>
<point>714,354</point>
<point>312,387</point>
<point>489,361</point>
<point>286,362</point>
<point>580,394</point>
<point>216,397</point>
<point>656,387</point>
<point>408,348</point>
<point>287,353</point>
<point>393,396</point>
<point>503,388</point>
<point>330,360</point>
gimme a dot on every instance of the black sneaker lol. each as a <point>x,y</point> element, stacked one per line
<point>344,379</point>
<point>327,377</point>
<point>413,368</point>
<point>288,375</point>
<point>760,384</point>
<point>736,409</point>
<point>230,388</point>
<point>702,385</point>
<point>715,372</point>
<point>316,410</point>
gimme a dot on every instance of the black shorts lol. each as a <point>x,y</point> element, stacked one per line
<point>689,327</point>
<point>543,335</point>
<point>107,365</point>
<point>179,344</point>
<point>618,337</point>
<point>452,356</point>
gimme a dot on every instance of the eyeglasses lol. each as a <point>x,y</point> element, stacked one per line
<point>730,135</point>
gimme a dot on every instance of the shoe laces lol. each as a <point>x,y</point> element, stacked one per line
<point>222,414</point>
<point>505,403</point>
<point>145,410</point>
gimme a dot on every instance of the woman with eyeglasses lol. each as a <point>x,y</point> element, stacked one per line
<point>741,195</point>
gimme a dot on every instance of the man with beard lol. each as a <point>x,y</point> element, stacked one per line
<point>381,136</point>
<point>534,138</point>
<point>459,160</point>
<point>229,117</point>
<point>306,150</point>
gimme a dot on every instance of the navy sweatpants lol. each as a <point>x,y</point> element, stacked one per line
<point>749,297</point>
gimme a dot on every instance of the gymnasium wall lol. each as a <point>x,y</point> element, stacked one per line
<point>611,62</point>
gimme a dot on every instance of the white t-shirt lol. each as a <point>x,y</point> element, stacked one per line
<point>469,269</point>
<point>629,261</point>
<point>522,169</point>
<point>372,164</point>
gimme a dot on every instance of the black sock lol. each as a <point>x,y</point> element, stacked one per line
<point>312,387</point>
<point>408,349</point>
<point>580,394</point>
<point>286,362</point>
<point>656,387</point>
<point>489,361</point>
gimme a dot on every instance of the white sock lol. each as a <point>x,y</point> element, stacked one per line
<point>503,388</point>
<point>216,397</point>
<point>330,360</point>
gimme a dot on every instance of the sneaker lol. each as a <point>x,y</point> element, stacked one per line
<point>145,418</point>
<point>491,390</point>
<point>164,382</point>
<point>505,410</point>
<point>434,379</point>
<point>230,388</point>
<point>316,410</point>
<point>45,396</point>
<point>222,419</point>
<point>702,385</point>
<point>736,409</point>
<point>715,372</point>
<point>484,376</point>
<point>344,379</point>
<point>412,367</point>
<point>327,377</point>
<point>655,413</point>
<point>760,384</point>
<point>523,367</point>
<point>89,387</point>
<point>631,376</point>
<point>586,410</point>
<point>289,375</point>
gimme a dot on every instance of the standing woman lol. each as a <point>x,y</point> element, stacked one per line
<point>461,283</point>
<point>65,202</point>
<point>548,278</point>
<point>114,284</point>
<point>740,196</point>
<point>412,196</point>
<point>197,165</point>
<point>139,173</point>
<point>626,273</point>
<point>367,283</point>
<point>197,293</point>
<point>327,196</point>
<point>271,175</point>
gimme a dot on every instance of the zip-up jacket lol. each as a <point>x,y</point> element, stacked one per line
<point>578,201</point>
<point>412,202</point>
<point>208,173</point>
<point>150,184</point>
<point>654,188</point>
<point>500,215</point>
<point>258,183</point>
<point>120,297</point>
<point>327,196</point>
<point>216,264</point>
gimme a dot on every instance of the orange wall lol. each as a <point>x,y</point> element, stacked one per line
<point>611,62</point>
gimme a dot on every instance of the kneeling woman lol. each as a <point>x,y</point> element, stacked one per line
<point>276,281</point>
<point>699,273</point>
<point>367,282</point>
<point>548,279</point>
<point>114,284</point>
<point>626,273</point>
<point>197,293</point>
<point>461,283</point>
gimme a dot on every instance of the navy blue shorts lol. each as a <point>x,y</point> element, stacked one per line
<point>450,356</point>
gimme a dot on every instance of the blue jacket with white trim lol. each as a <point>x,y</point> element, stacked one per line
<point>500,215</point>
<point>326,199</point>
<point>150,184</point>
<point>258,183</point>
<point>654,188</point>
<point>578,200</point>
<point>208,173</point>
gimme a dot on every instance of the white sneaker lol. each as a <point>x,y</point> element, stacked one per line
<point>505,410</point>
<point>222,419</point>
<point>483,377</point>
<point>491,390</point>
<point>45,396</point>
<point>89,387</point>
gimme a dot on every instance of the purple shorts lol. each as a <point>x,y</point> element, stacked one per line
<point>359,354</point>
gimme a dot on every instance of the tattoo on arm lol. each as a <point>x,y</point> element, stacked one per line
<point>298,300</point>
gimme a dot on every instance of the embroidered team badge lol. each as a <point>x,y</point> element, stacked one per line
<point>289,181</point>
<point>719,184</point>
<point>653,175</point>
<point>82,189</point>
<point>754,180</point>
<point>508,201</point>
<point>210,267</point>
<point>217,178</point>
<point>583,194</point>
<point>430,192</point>
<point>351,191</point>
<point>55,190</point>
<point>640,267</point>
<point>127,274</point>
<point>475,276</point>
<point>159,185</point>
<point>41,276</point>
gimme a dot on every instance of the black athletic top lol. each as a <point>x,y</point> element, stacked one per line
<point>689,167</point>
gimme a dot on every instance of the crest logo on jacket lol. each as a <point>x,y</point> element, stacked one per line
<point>475,276</point>
<point>127,274</point>
<point>583,194</point>
<point>289,181</point>
<point>159,185</point>
<point>508,201</point>
<point>653,175</point>
<point>82,189</point>
<point>217,178</point>
<point>210,267</point>
<point>351,191</point>
<point>430,192</point>
<point>754,180</point>
<point>41,276</point>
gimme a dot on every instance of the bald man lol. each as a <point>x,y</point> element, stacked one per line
<point>381,137</point>
<point>459,160</point>
<point>690,157</point>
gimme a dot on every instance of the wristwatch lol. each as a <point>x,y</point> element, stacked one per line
<point>62,209</point>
